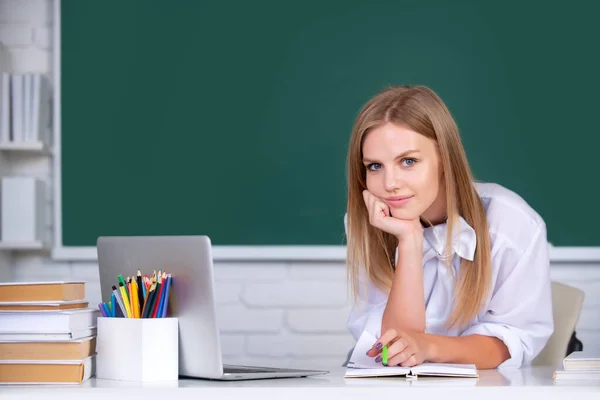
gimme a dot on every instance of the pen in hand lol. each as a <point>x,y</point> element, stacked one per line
<point>384,355</point>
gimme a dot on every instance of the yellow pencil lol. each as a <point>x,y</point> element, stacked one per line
<point>135,299</point>
<point>125,302</point>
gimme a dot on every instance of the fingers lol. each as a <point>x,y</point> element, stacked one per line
<point>405,352</point>
<point>403,357</point>
<point>384,340</point>
<point>369,203</point>
<point>375,207</point>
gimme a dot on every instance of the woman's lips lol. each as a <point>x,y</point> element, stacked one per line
<point>398,201</point>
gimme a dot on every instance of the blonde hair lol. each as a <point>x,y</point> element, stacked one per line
<point>421,110</point>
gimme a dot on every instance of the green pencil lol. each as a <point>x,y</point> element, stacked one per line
<point>384,355</point>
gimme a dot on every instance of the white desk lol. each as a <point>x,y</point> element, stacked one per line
<point>491,384</point>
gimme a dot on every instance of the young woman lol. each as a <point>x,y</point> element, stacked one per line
<point>443,268</point>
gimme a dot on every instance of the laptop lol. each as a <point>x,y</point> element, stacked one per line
<point>189,260</point>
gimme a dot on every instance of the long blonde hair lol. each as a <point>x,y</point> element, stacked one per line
<point>421,110</point>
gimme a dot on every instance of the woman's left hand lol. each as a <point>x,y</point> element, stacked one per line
<point>406,349</point>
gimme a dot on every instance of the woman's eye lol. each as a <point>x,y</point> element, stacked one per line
<point>409,162</point>
<point>374,167</point>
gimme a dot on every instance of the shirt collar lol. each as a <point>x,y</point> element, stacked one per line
<point>463,243</point>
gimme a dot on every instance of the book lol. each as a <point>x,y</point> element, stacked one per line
<point>46,371</point>
<point>5,115</point>
<point>27,102</point>
<point>47,321</point>
<point>585,360</point>
<point>49,337</point>
<point>362,366</point>
<point>576,375</point>
<point>43,305</point>
<point>42,291</point>
<point>40,120</point>
<point>46,350</point>
<point>17,107</point>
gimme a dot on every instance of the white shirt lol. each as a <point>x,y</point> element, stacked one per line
<point>518,310</point>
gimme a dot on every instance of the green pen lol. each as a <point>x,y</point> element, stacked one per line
<point>384,355</point>
<point>121,280</point>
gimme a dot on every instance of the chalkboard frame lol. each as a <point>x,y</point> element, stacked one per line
<point>220,253</point>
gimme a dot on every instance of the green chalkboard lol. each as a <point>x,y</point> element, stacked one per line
<point>232,118</point>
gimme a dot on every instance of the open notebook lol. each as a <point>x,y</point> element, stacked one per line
<point>362,366</point>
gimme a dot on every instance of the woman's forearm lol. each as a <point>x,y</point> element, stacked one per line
<point>405,308</point>
<point>484,351</point>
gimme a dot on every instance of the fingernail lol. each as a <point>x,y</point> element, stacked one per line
<point>379,346</point>
<point>378,359</point>
<point>368,352</point>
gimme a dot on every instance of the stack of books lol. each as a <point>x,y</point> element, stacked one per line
<point>47,333</point>
<point>579,365</point>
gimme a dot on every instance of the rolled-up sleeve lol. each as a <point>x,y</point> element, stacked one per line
<point>520,309</point>
<point>367,313</point>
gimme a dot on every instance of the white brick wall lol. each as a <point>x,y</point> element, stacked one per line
<point>280,314</point>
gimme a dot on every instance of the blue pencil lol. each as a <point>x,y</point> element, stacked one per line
<point>106,309</point>
<point>165,304</point>
<point>102,310</point>
<point>159,311</point>
<point>113,302</point>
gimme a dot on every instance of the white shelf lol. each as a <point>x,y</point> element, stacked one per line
<point>31,147</point>
<point>22,246</point>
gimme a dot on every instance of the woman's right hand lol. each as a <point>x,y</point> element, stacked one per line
<point>381,218</point>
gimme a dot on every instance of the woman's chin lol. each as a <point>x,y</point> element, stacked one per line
<point>402,213</point>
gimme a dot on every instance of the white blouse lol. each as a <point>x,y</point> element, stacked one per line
<point>519,308</point>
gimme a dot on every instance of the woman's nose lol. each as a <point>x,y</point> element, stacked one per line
<point>392,180</point>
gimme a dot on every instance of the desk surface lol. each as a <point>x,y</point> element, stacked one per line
<point>491,384</point>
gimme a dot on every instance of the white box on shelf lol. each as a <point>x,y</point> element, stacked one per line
<point>23,206</point>
<point>137,349</point>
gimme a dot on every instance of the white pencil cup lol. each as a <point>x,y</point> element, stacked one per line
<point>138,349</point>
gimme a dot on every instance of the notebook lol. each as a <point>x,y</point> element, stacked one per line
<point>46,371</point>
<point>43,305</point>
<point>562,374</point>
<point>582,360</point>
<point>42,291</point>
<point>361,365</point>
<point>47,336</point>
<point>60,350</point>
<point>47,321</point>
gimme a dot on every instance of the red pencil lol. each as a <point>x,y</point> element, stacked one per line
<point>161,282</point>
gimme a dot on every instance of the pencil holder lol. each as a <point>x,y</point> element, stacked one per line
<point>138,349</point>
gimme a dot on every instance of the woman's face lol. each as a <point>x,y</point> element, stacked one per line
<point>404,170</point>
